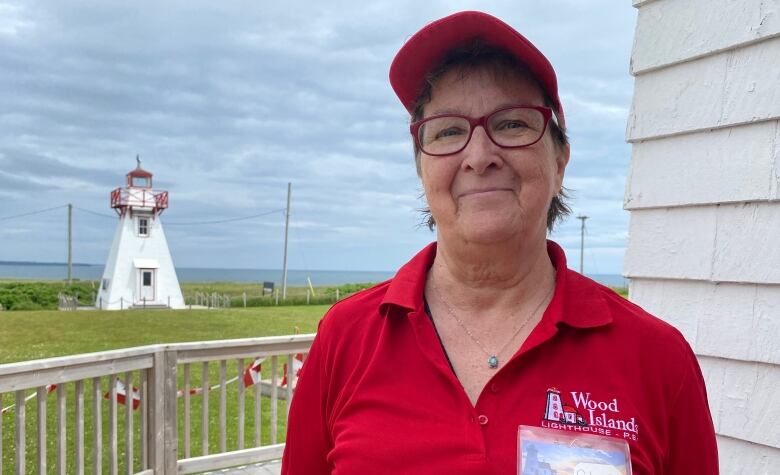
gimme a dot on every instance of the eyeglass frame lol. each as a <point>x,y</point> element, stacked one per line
<point>414,127</point>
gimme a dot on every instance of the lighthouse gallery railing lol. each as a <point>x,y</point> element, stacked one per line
<point>155,425</point>
<point>121,198</point>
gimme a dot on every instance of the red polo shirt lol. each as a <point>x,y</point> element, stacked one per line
<point>376,394</point>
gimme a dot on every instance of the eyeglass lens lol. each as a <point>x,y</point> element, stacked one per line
<point>513,127</point>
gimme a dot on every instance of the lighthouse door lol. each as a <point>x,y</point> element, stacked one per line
<point>147,284</point>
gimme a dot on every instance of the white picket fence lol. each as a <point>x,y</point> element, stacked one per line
<point>159,371</point>
<point>211,300</point>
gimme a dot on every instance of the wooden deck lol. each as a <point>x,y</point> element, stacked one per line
<point>268,468</point>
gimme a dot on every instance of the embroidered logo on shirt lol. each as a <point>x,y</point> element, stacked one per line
<point>587,414</point>
<point>556,411</point>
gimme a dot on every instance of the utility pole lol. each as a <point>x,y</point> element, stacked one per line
<point>582,218</point>
<point>286,231</point>
<point>70,243</point>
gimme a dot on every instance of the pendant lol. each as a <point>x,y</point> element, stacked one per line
<point>493,362</point>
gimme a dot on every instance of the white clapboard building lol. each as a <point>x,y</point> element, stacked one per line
<point>139,271</point>
<point>704,246</point>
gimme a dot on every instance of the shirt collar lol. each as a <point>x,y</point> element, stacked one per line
<point>407,287</point>
<point>577,302</point>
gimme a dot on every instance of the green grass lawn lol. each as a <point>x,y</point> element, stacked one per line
<point>29,335</point>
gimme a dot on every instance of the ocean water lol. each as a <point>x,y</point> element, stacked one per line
<point>192,274</point>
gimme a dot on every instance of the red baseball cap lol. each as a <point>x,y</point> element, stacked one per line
<point>427,48</point>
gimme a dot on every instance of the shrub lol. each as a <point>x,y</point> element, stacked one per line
<point>43,295</point>
<point>347,289</point>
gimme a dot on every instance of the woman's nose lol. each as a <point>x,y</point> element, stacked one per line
<point>481,153</point>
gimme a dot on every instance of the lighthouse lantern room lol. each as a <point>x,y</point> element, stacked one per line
<point>139,271</point>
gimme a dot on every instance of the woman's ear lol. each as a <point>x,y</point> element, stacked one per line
<point>561,160</point>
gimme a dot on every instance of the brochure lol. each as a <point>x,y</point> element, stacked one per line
<point>552,452</point>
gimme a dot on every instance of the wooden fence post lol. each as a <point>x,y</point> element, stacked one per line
<point>244,299</point>
<point>163,436</point>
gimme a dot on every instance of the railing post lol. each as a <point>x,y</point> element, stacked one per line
<point>163,436</point>
<point>20,442</point>
<point>171,432</point>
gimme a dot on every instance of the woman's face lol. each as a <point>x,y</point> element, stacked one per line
<point>485,193</point>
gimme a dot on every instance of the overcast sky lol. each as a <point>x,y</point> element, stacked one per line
<point>228,101</point>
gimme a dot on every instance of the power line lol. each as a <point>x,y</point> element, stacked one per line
<point>95,213</point>
<point>4,218</point>
<point>190,223</point>
<point>167,223</point>
<point>240,218</point>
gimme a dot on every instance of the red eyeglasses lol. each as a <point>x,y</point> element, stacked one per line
<point>509,127</point>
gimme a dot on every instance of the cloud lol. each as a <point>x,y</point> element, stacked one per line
<point>226,103</point>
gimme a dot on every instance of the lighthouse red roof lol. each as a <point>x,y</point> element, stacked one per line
<point>139,177</point>
<point>140,172</point>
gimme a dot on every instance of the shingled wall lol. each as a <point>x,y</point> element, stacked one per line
<point>704,238</point>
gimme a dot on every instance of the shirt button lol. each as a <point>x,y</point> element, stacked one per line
<point>483,420</point>
<point>494,387</point>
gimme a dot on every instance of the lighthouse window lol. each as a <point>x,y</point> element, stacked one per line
<point>106,283</point>
<point>143,226</point>
<point>141,181</point>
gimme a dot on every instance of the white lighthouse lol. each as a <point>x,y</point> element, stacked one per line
<point>139,271</point>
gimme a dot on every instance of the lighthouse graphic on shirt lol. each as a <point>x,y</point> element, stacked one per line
<point>556,411</point>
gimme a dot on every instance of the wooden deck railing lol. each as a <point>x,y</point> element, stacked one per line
<point>161,390</point>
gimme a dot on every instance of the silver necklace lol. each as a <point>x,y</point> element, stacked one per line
<point>492,357</point>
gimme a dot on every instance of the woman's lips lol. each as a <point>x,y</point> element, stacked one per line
<point>483,191</point>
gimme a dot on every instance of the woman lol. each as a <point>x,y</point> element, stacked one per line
<point>486,330</point>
